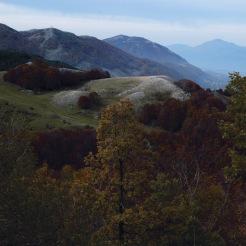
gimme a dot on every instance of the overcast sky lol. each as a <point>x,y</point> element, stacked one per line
<point>164,21</point>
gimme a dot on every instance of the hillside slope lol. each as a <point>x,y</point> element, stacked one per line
<point>82,52</point>
<point>86,52</point>
<point>143,48</point>
<point>40,110</point>
<point>59,109</point>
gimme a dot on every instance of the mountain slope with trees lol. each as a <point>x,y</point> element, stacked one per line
<point>86,52</point>
<point>146,49</point>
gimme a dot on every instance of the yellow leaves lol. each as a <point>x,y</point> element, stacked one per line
<point>121,170</point>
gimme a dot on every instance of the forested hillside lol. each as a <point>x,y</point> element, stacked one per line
<point>166,172</point>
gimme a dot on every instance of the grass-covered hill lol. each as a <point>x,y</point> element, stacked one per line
<point>40,109</point>
<point>59,109</point>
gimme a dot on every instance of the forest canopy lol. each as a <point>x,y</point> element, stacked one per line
<point>172,173</point>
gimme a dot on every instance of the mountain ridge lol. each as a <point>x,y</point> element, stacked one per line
<point>86,52</point>
<point>146,49</point>
<point>217,55</point>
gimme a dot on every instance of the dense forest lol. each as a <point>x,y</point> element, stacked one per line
<point>170,173</point>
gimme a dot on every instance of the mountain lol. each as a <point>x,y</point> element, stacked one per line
<point>143,48</point>
<point>216,55</point>
<point>85,52</point>
<point>11,39</point>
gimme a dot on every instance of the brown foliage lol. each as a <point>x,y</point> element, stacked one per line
<point>84,102</point>
<point>172,115</point>
<point>40,76</point>
<point>190,132</point>
<point>90,101</point>
<point>64,147</point>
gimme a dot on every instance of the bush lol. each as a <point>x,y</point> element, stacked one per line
<point>84,102</point>
<point>90,101</point>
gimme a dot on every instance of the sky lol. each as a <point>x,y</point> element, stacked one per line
<point>165,21</point>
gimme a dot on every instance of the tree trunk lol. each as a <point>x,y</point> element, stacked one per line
<point>121,202</point>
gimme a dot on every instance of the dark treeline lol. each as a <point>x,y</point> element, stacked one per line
<point>39,76</point>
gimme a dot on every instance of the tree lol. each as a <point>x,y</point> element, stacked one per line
<point>32,203</point>
<point>234,128</point>
<point>122,169</point>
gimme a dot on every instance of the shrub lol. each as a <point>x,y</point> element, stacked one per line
<point>95,98</point>
<point>84,102</point>
<point>90,101</point>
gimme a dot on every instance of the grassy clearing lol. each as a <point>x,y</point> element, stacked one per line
<point>110,88</point>
<point>44,114</point>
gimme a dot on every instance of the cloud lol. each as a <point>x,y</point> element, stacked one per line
<point>103,26</point>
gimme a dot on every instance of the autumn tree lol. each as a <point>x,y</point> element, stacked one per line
<point>32,203</point>
<point>122,168</point>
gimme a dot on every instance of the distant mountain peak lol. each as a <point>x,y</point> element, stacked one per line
<point>217,43</point>
<point>217,55</point>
